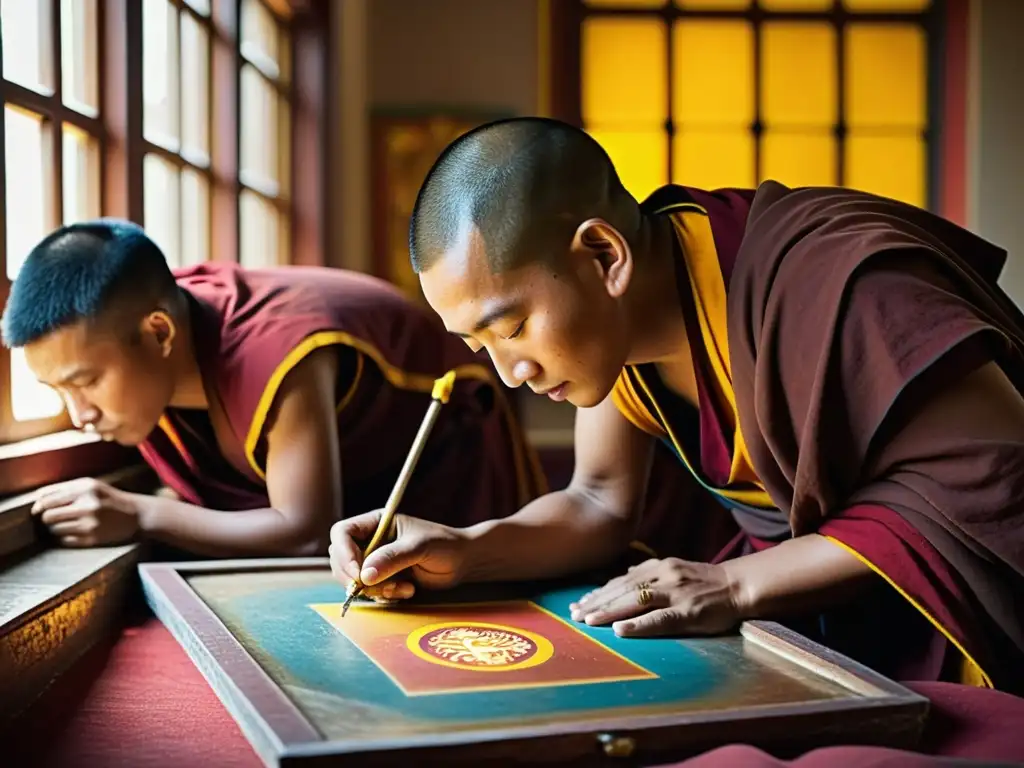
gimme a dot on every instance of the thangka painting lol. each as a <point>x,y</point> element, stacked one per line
<point>405,146</point>
<point>470,676</point>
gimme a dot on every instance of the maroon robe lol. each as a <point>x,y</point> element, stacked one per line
<point>804,328</point>
<point>250,327</point>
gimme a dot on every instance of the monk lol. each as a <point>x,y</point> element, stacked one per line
<point>839,371</point>
<point>271,402</point>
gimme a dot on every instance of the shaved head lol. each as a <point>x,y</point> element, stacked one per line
<point>523,186</point>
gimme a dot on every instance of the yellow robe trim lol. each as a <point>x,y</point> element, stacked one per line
<point>529,476</point>
<point>971,672</point>
<point>693,228</point>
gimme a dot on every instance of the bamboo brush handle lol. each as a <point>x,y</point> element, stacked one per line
<point>439,395</point>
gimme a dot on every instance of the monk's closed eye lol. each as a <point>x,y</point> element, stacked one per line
<point>518,331</point>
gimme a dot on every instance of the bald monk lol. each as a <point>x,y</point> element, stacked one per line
<point>271,402</point>
<point>838,370</point>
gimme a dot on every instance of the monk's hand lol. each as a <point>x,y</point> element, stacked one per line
<point>421,552</point>
<point>663,597</point>
<point>87,513</point>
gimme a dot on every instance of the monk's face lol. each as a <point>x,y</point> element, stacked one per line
<point>114,383</point>
<point>556,324</point>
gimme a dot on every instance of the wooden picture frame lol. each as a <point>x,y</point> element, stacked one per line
<point>863,707</point>
<point>404,145</point>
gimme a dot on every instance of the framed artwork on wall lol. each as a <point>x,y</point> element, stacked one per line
<point>404,145</point>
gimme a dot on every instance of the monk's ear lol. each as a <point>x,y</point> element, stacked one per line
<point>607,251</point>
<point>161,327</point>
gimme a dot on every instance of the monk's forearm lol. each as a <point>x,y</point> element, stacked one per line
<point>805,574</point>
<point>558,534</point>
<point>212,533</point>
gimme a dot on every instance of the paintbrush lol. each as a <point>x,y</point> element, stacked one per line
<point>439,395</point>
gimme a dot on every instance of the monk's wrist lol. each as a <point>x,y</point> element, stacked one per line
<point>480,561</point>
<point>147,512</point>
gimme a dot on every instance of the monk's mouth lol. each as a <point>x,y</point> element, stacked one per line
<point>558,393</point>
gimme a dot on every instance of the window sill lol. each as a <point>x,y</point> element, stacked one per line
<point>28,464</point>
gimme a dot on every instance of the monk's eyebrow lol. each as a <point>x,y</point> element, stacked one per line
<point>493,315</point>
<point>77,373</point>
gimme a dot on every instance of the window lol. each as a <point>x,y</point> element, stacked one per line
<point>176,127</point>
<point>713,93</point>
<point>51,163</point>
<point>177,114</point>
<point>264,214</point>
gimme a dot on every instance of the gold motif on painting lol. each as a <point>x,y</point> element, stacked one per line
<point>479,647</point>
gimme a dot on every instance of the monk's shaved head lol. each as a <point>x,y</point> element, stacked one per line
<point>524,185</point>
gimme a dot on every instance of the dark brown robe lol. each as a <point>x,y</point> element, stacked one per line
<point>846,312</point>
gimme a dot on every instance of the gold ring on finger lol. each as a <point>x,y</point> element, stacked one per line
<point>644,594</point>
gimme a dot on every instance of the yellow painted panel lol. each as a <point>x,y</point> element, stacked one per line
<point>714,5</point>
<point>625,3</point>
<point>799,159</point>
<point>887,5</point>
<point>713,73</point>
<point>712,159</point>
<point>886,76</point>
<point>640,157</point>
<point>892,165</point>
<point>624,73</point>
<point>799,71</point>
<point>796,5</point>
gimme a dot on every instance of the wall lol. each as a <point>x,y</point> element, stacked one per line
<point>996,189</point>
<point>409,54</point>
<point>462,53</point>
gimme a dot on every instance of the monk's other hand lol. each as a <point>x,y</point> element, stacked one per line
<point>421,553</point>
<point>87,513</point>
<point>663,597</point>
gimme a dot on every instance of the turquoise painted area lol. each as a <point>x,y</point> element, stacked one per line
<point>297,646</point>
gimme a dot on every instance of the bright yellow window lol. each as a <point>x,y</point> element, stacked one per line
<point>705,93</point>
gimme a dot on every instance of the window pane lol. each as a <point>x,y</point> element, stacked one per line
<point>195,218</point>
<point>799,159</point>
<point>625,3</point>
<point>28,185</point>
<point>259,134</point>
<point>640,157</point>
<point>160,72</point>
<point>714,5</point>
<point>79,62</point>
<point>81,168</point>
<point>887,5</point>
<point>195,96</point>
<point>893,166</point>
<point>260,38</point>
<point>713,159</point>
<point>162,206</point>
<point>713,71</point>
<point>885,75</point>
<point>200,6</point>
<point>796,5</point>
<point>29,399</point>
<point>26,44</point>
<point>260,241</point>
<point>623,71</point>
<point>799,70</point>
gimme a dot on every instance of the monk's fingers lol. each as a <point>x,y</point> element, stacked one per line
<point>76,542</point>
<point>611,593</point>
<point>345,562</point>
<point>627,603</point>
<point>396,589</point>
<point>664,621</point>
<point>65,513</point>
<point>57,497</point>
<point>79,526</point>
<point>346,553</point>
